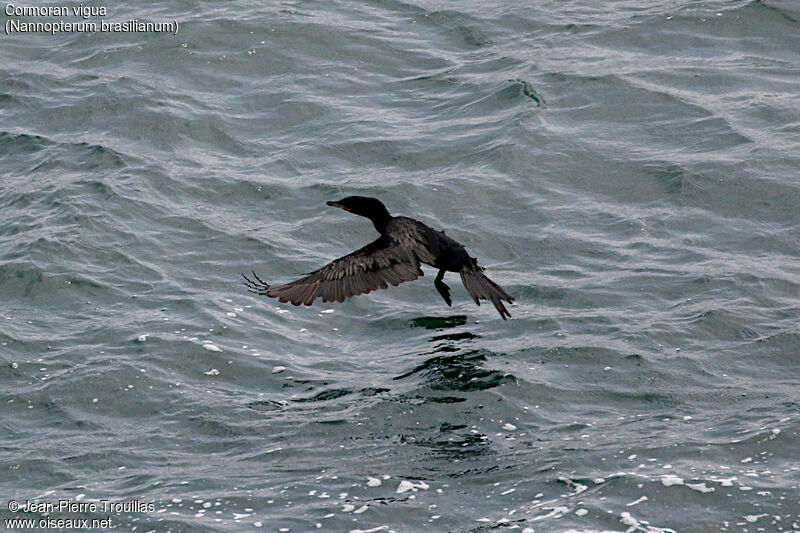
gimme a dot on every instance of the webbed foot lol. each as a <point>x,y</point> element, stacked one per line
<point>444,290</point>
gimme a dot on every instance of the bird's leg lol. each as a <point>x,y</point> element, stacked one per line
<point>442,287</point>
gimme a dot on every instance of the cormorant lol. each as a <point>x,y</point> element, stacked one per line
<point>392,258</point>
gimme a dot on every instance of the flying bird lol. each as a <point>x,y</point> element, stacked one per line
<point>391,259</point>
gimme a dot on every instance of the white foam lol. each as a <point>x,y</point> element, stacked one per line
<point>628,520</point>
<point>555,512</point>
<point>212,347</point>
<point>212,372</point>
<point>406,486</point>
<point>509,427</point>
<point>326,311</point>
<point>670,479</point>
<point>636,525</point>
<point>278,369</point>
<point>700,487</point>
<point>373,530</point>
<point>725,482</point>
<point>577,487</point>
<point>636,502</point>
<point>373,482</point>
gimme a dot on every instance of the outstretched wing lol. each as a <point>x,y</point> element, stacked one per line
<point>377,265</point>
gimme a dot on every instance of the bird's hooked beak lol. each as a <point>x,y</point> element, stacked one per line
<point>337,204</point>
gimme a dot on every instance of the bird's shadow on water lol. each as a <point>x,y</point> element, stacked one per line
<point>438,322</point>
<point>454,367</point>
<point>454,370</point>
<point>455,364</point>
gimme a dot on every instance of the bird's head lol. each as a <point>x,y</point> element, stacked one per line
<point>361,205</point>
<point>364,206</point>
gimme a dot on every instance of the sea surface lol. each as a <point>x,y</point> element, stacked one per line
<point>628,170</point>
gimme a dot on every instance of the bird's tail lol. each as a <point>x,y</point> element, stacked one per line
<point>482,288</point>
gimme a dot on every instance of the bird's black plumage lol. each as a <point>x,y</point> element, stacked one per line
<point>391,259</point>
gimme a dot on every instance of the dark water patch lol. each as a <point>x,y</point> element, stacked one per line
<point>464,335</point>
<point>446,348</point>
<point>451,444</point>
<point>433,322</point>
<point>307,384</point>
<point>334,422</point>
<point>527,89</point>
<point>335,394</point>
<point>266,405</point>
<point>445,399</point>
<point>323,396</point>
<point>462,371</point>
<point>494,99</point>
<point>373,391</point>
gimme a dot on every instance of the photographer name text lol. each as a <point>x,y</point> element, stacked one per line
<point>69,506</point>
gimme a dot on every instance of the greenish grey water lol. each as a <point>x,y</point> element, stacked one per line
<point>627,170</point>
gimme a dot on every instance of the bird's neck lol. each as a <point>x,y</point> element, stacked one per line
<point>380,220</point>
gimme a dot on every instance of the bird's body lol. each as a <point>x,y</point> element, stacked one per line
<point>391,259</point>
